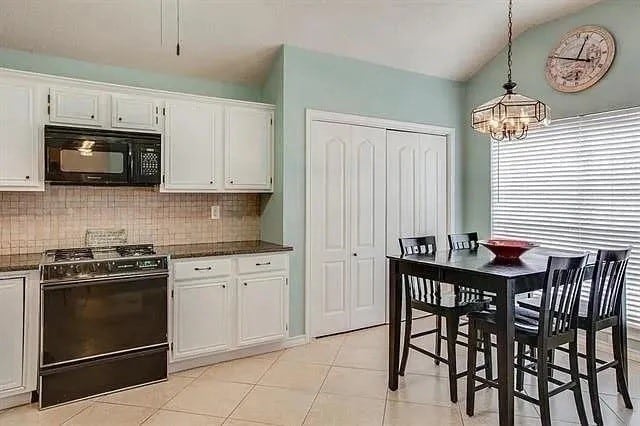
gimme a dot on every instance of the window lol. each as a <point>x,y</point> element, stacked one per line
<point>574,185</point>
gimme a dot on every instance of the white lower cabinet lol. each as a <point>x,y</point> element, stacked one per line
<point>11,333</point>
<point>202,318</point>
<point>261,309</point>
<point>220,304</point>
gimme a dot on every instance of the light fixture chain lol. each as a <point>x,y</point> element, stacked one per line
<point>509,62</point>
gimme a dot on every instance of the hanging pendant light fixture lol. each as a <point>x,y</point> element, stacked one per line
<point>511,115</point>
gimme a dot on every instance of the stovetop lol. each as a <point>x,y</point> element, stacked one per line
<point>88,263</point>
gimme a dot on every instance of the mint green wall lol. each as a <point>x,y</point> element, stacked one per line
<point>272,216</point>
<point>66,67</point>
<point>331,83</point>
<point>619,88</point>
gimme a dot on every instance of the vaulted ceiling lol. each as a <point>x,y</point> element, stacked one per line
<point>236,40</point>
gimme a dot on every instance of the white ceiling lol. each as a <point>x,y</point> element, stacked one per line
<point>236,40</point>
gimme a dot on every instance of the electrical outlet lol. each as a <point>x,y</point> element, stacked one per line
<point>215,212</point>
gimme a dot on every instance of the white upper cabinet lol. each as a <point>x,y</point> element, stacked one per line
<point>261,309</point>
<point>75,106</point>
<point>11,333</point>
<point>135,112</point>
<point>248,146</point>
<point>189,145</point>
<point>19,137</point>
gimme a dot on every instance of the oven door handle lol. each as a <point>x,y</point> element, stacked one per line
<point>99,281</point>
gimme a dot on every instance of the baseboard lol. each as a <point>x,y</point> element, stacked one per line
<point>203,361</point>
<point>15,400</point>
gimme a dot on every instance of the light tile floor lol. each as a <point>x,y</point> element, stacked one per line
<point>338,380</point>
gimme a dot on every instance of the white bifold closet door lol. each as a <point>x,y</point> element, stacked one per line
<point>416,187</point>
<point>347,227</point>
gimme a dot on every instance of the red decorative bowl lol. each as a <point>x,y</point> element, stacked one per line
<point>508,249</point>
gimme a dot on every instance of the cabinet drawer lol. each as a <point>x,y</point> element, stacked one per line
<point>205,268</point>
<point>253,264</point>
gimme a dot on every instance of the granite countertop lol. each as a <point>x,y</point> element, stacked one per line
<point>26,262</point>
<point>20,262</point>
<point>221,249</point>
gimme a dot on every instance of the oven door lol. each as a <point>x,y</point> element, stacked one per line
<point>93,318</point>
<point>87,161</point>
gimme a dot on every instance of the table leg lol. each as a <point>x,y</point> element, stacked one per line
<point>505,300</point>
<point>395,312</point>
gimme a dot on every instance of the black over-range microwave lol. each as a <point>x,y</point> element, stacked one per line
<point>81,156</point>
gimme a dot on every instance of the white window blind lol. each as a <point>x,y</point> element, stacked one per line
<point>574,185</point>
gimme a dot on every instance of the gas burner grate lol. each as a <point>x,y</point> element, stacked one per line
<point>73,254</point>
<point>135,250</point>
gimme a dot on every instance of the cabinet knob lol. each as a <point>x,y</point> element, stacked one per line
<point>92,116</point>
<point>119,118</point>
<point>355,254</point>
<point>245,284</point>
<point>224,286</point>
<point>211,182</point>
<point>27,177</point>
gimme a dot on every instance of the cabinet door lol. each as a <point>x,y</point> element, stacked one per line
<point>74,106</point>
<point>261,310</point>
<point>249,148</point>
<point>190,145</point>
<point>18,136</point>
<point>11,333</point>
<point>201,318</point>
<point>135,112</point>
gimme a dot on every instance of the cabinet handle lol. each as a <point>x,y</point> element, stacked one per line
<point>27,177</point>
<point>92,116</point>
<point>263,264</point>
<point>208,268</point>
<point>224,286</point>
<point>245,284</point>
<point>230,181</point>
<point>355,254</point>
<point>119,118</point>
<point>211,182</point>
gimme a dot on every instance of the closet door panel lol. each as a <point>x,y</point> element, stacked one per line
<point>368,183</point>
<point>329,222</point>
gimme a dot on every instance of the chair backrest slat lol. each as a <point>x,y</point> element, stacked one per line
<point>607,284</point>
<point>560,295</point>
<point>419,287</point>
<point>463,241</point>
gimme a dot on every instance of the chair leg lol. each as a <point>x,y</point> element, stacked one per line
<point>407,339</point>
<point>551,359</point>
<point>543,388</point>
<point>575,377</point>
<point>520,362</point>
<point>452,337</point>
<point>472,344</point>
<point>592,377</point>
<point>438,338</point>
<point>488,361</point>
<point>623,386</point>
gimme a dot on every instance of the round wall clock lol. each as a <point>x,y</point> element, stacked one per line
<point>581,59</point>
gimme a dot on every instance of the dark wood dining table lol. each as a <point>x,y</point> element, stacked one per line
<point>477,269</point>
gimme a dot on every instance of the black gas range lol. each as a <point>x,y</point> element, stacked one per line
<point>103,321</point>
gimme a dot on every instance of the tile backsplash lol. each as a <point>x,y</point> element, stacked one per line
<point>59,217</point>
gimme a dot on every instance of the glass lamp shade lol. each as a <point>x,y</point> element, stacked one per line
<point>510,116</point>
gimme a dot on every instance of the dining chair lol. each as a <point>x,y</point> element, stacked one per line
<point>552,326</point>
<point>427,296</point>
<point>599,312</point>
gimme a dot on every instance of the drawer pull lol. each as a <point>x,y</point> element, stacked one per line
<point>208,268</point>
<point>263,264</point>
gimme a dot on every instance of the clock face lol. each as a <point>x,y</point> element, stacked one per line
<point>581,59</point>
